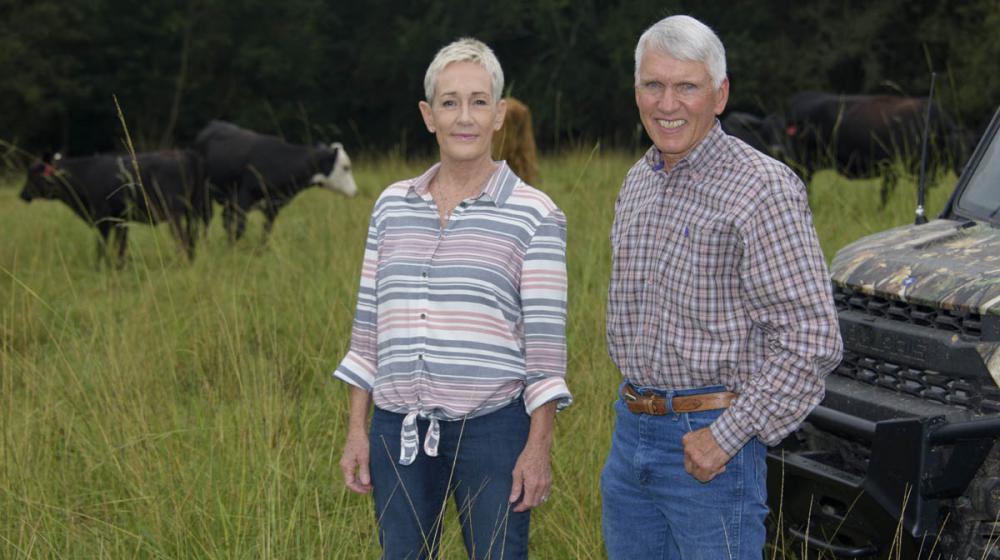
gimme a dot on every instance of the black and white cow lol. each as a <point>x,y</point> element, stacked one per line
<point>246,169</point>
<point>106,192</point>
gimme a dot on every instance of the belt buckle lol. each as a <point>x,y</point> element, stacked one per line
<point>627,395</point>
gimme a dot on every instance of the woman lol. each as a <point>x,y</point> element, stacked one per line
<point>459,335</point>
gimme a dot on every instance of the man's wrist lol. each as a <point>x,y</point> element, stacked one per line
<point>730,434</point>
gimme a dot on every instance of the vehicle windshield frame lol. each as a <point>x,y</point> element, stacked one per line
<point>984,164</point>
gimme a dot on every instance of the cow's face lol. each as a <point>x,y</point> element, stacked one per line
<point>44,179</point>
<point>339,178</point>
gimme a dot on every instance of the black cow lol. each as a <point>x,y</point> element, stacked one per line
<point>246,169</point>
<point>765,134</point>
<point>105,192</point>
<point>861,135</point>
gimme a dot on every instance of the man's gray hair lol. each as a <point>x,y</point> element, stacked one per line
<point>465,49</point>
<point>684,38</point>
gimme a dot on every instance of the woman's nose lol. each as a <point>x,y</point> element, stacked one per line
<point>465,114</point>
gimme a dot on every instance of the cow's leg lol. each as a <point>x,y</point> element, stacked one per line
<point>180,227</point>
<point>104,228</point>
<point>270,214</point>
<point>120,233</point>
<point>229,215</point>
<point>244,201</point>
<point>888,184</point>
<point>190,223</point>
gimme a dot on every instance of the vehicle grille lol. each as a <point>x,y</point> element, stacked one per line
<point>979,395</point>
<point>967,324</point>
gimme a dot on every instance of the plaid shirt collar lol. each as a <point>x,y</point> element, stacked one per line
<point>498,186</point>
<point>698,160</point>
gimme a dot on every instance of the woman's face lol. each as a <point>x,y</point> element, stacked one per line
<point>462,114</point>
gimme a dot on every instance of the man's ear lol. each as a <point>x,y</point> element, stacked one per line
<point>722,96</point>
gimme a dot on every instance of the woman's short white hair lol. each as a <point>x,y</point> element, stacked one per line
<point>684,38</point>
<point>465,49</point>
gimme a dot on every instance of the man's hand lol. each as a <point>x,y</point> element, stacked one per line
<point>354,463</point>
<point>703,458</point>
<point>532,478</point>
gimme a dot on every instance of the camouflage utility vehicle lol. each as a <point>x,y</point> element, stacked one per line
<point>899,459</point>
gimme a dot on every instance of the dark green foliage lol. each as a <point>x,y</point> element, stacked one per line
<point>353,71</point>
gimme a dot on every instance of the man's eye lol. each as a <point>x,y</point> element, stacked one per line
<point>448,103</point>
<point>688,87</point>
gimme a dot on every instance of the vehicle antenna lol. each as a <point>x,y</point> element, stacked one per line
<point>922,181</point>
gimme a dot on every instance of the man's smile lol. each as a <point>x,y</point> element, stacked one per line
<point>677,123</point>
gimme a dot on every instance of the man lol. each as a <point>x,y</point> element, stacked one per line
<point>719,316</point>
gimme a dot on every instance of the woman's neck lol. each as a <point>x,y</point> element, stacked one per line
<point>457,181</point>
<point>464,178</point>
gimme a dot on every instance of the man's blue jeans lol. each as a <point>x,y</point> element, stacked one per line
<point>654,509</point>
<point>475,462</point>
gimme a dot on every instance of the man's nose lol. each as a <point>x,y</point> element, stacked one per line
<point>668,101</point>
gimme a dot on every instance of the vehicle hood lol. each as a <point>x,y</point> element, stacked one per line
<point>944,263</point>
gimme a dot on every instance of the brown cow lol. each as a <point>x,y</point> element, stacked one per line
<point>515,141</point>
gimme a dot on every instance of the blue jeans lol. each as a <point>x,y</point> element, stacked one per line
<point>652,508</point>
<point>475,460</point>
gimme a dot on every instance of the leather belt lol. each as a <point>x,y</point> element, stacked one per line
<point>657,404</point>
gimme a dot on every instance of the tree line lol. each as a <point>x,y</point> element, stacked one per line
<point>312,70</point>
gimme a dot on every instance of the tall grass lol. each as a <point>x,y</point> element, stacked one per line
<point>185,410</point>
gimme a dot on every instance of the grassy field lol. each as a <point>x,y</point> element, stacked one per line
<point>176,410</point>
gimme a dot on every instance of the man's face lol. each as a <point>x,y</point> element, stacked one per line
<point>677,103</point>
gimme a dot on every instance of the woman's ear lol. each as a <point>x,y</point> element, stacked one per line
<point>501,113</point>
<point>425,112</point>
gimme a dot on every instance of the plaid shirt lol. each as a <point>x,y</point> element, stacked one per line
<point>718,279</point>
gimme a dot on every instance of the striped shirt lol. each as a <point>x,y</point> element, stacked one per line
<point>460,321</point>
<point>718,279</point>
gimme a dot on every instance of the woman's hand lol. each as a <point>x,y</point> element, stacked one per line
<point>533,470</point>
<point>354,460</point>
<point>354,463</point>
<point>532,478</point>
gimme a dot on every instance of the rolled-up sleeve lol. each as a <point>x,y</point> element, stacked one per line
<point>359,365</point>
<point>787,287</point>
<point>543,307</point>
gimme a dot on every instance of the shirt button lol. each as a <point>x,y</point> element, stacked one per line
<point>423,315</point>
<point>424,274</point>
<point>420,356</point>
